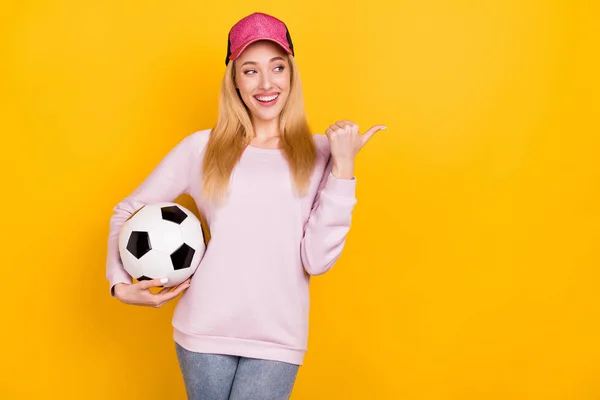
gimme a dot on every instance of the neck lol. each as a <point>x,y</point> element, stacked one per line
<point>264,130</point>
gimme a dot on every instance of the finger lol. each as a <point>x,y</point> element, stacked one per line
<point>165,290</point>
<point>341,124</point>
<point>168,296</point>
<point>152,283</point>
<point>349,126</point>
<point>333,129</point>
<point>186,282</point>
<point>369,134</point>
<point>172,294</point>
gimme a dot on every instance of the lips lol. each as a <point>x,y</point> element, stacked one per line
<point>268,99</point>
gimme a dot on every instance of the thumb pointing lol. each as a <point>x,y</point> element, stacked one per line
<point>369,134</point>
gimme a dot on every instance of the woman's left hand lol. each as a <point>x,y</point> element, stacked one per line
<point>345,142</point>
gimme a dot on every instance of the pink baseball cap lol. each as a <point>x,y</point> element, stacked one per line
<point>255,27</point>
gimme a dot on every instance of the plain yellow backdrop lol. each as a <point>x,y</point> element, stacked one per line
<point>471,268</point>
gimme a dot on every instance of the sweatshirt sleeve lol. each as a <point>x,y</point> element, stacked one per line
<point>169,179</point>
<point>328,223</point>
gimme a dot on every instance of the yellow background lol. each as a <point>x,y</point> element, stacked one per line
<point>471,269</point>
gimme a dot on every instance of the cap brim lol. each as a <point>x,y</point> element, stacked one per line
<point>240,50</point>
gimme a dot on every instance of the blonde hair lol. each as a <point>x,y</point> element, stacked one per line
<point>233,132</point>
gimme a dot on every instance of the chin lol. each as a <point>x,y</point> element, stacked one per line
<point>267,116</point>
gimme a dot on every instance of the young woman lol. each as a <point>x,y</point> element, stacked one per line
<point>278,202</point>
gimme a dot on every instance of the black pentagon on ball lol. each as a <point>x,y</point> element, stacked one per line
<point>139,244</point>
<point>173,214</point>
<point>145,278</point>
<point>182,257</point>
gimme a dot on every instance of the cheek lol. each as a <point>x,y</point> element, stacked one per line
<point>284,84</point>
<point>243,85</point>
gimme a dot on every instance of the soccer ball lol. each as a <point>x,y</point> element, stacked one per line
<point>161,240</point>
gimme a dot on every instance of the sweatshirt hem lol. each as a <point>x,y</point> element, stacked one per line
<point>238,347</point>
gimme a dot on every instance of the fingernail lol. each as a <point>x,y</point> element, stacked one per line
<point>385,127</point>
<point>164,280</point>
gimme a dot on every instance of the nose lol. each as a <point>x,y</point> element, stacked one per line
<point>265,82</point>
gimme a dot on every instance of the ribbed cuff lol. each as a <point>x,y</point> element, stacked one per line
<point>341,187</point>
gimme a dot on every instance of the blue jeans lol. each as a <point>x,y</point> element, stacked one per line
<point>225,377</point>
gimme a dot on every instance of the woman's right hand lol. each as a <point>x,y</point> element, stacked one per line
<point>139,293</point>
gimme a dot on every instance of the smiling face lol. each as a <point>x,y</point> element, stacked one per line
<point>262,76</point>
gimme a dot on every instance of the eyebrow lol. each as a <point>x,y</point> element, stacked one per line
<point>254,62</point>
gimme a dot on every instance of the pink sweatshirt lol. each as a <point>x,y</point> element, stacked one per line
<point>250,293</point>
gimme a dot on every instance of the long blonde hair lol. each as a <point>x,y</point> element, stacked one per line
<point>233,132</point>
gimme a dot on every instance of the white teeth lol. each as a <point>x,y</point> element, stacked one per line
<point>267,98</point>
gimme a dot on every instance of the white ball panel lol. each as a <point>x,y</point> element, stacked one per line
<point>176,277</point>
<point>145,219</point>
<point>192,234</point>
<point>166,237</point>
<point>156,264</point>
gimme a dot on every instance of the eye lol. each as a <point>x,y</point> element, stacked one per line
<point>246,72</point>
